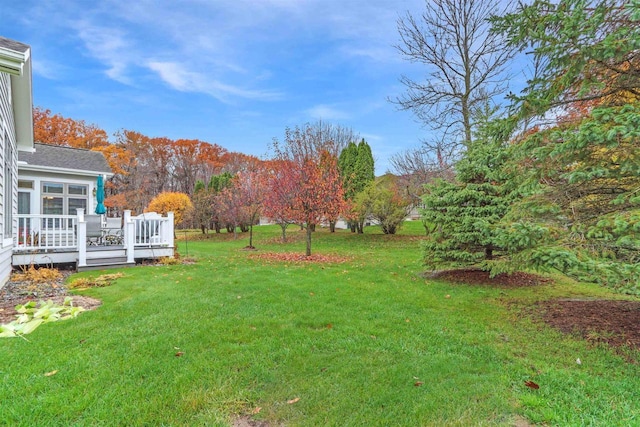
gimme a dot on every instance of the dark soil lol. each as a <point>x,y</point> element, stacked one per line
<point>614,322</point>
<point>479,277</point>
<point>15,293</point>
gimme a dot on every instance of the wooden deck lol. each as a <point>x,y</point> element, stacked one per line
<point>69,241</point>
<point>98,257</point>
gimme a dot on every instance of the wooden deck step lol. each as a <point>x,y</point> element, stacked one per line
<point>105,265</point>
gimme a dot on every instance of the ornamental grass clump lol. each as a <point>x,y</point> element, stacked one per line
<point>37,275</point>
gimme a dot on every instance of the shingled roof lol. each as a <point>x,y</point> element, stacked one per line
<point>13,45</point>
<point>57,156</point>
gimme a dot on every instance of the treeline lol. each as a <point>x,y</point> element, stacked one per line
<point>143,166</point>
<point>319,174</point>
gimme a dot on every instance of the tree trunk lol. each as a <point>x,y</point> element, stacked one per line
<point>284,230</point>
<point>488,253</point>
<point>332,226</point>
<point>308,240</point>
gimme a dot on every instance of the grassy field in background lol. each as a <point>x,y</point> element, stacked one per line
<point>365,342</point>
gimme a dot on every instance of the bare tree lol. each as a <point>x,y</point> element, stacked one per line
<point>333,138</point>
<point>417,167</point>
<point>465,64</point>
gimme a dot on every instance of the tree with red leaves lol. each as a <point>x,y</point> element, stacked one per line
<point>281,181</point>
<point>251,187</point>
<point>241,202</point>
<point>318,194</point>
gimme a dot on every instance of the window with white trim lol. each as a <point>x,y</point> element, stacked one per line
<point>63,199</point>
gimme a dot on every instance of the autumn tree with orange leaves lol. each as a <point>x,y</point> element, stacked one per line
<point>145,167</point>
<point>55,129</point>
<point>178,203</point>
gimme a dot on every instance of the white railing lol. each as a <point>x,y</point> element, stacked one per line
<point>44,232</point>
<point>151,229</point>
<point>41,232</point>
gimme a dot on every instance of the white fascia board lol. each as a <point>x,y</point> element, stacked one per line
<point>10,67</point>
<point>26,167</point>
<point>12,61</point>
<point>14,55</point>
<point>22,94</point>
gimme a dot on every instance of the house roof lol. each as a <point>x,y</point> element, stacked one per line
<point>59,158</point>
<point>15,59</point>
<point>13,45</point>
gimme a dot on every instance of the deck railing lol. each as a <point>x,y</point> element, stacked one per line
<point>152,229</point>
<point>42,232</point>
<point>69,232</point>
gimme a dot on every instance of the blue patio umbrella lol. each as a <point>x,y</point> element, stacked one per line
<point>100,208</point>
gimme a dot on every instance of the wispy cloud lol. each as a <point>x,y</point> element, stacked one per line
<point>109,46</point>
<point>326,112</point>
<point>184,80</point>
<point>46,68</point>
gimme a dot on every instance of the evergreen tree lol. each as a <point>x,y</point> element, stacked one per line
<point>346,165</point>
<point>357,170</point>
<point>463,214</point>
<point>582,216</point>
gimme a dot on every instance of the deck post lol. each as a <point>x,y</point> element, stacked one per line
<point>82,239</point>
<point>169,233</point>
<point>129,236</point>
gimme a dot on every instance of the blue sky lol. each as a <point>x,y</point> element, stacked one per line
<point>231,72</point>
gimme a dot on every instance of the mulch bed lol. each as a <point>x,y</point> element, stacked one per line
<point>479,277</point>
<point>15,293</point>
<point>614,322</point>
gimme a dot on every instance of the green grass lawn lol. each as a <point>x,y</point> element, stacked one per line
<point>367,342</point>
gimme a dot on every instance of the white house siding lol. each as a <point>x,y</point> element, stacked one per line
<point>7,136</point>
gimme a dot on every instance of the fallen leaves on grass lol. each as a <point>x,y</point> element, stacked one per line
<point>50,374</point>
<point>292,401</point>
<point>532,385</point>
<point>98,282</point>
<point>277,257</point>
